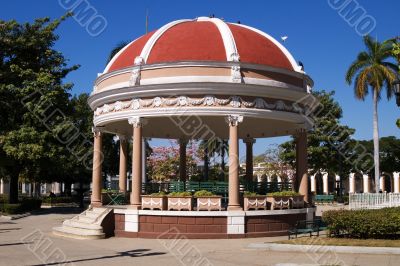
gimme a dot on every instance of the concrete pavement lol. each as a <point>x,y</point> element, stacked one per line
<point>29,241</point>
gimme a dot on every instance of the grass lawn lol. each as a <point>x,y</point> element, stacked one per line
<point>327,241</point>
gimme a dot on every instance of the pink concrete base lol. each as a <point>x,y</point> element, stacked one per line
<point>212,225</point>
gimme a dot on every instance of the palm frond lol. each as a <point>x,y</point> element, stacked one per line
<point>355,67</point>
<point>361,84</point>
<point>116,49</point>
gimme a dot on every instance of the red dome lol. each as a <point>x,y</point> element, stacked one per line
<point>204,39</point>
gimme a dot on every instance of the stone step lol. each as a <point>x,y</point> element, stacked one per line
<point>76,233</point>
<point>90,214</point>
<point>97,210</point>
<point>86,219</point>
<point>85,226</point>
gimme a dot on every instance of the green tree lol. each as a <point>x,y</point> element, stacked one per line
<point>372,70</point>
<point>33,99</point>
<point>328,142</point>
<point>396,55</point>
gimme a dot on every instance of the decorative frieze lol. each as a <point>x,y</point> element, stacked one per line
<point>206,101</point>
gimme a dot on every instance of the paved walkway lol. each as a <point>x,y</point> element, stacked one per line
<point>29,241</point>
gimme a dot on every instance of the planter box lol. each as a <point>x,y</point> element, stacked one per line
<point>209,203</point>
<point>279,202</point>
<point>154,202</point>
<point>180,203</point>
<point>255,203</point>
<point>297,201</point>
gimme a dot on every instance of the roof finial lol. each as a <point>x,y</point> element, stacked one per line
<point>147,21</point>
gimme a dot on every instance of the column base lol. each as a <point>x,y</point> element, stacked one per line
<point>135,206</point>
<point>96,204</point>
<point>234,208</point>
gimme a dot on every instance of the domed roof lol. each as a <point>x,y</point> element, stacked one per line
<point>204,39</point>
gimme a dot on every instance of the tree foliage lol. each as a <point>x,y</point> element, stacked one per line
<point>33,99</point>
<point>329,142</point>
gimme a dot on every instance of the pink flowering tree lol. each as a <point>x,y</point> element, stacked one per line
<point>163,163</point>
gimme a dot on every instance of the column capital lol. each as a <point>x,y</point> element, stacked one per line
<point>234,120</point>
<point>97,131</point>
<point>249,140</point>
<point>136,121</point>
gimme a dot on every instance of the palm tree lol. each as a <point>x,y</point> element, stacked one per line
<point>215,146</point>
<point>371,70</point>
<point>116,49</point>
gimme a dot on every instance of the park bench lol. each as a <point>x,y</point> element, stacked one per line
<point>176,186</point>
<point>324,198</point>
<point>307,227</point>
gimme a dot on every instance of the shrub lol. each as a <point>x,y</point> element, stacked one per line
<point>3,198</point>
<point>29,204</point>
<point>51,200</point>
<point>203,193</point>
<point>251,194</point>
<point>25,205</point>
<point>12,208</point>
<point>382,223</point>
<point>158,194</point>
<point>285,193</point>
<point>180,194</point>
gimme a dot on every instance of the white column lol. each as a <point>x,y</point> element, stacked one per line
<point>1,186</point>
<point>48,187</point>
<point>337,178</point>
<point>396,185</point>
<point>325,183</point>
<point>313,184</point>
<point>365,183</point>
<point>144,161</point>
<point>382,183</point>
<point>268,178</point>
<point>352,183</point>
<point>279,179</point>
<point>23,188</point>
<point>57,188</point>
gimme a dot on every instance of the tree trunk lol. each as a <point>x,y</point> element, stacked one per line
<point>223,158</point>
<point>13,196</point>
<point>376,141</point>
<point>67,188</point>
<point>206,163</point>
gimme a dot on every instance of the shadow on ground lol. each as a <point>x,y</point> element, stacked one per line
<point>15,244</point>
<point>58,210</point>
<point>131,253</point>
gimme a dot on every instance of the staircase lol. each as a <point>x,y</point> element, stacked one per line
<point>86,225</point>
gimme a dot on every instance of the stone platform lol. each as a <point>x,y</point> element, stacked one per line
<point>206,224</point>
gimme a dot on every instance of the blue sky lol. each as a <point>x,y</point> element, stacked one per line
<point>318,36</point>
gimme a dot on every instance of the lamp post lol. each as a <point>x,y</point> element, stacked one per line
<point>396,87</point>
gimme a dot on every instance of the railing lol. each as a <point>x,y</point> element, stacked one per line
<point>358,201</point>
<point>218,187</point>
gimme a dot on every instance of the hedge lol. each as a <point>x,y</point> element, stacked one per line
<point>51,200</point>
<point>25,205</point>
<point>381,223</point>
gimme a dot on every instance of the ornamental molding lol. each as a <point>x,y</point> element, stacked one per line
<point>97,131</point>
<point>236,75</point>
<point>206,101</point>
<point>234,120</point>
<point>136,121</point>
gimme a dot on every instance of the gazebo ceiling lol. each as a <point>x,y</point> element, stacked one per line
<point>204,69</point>
<point>207,127</point>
